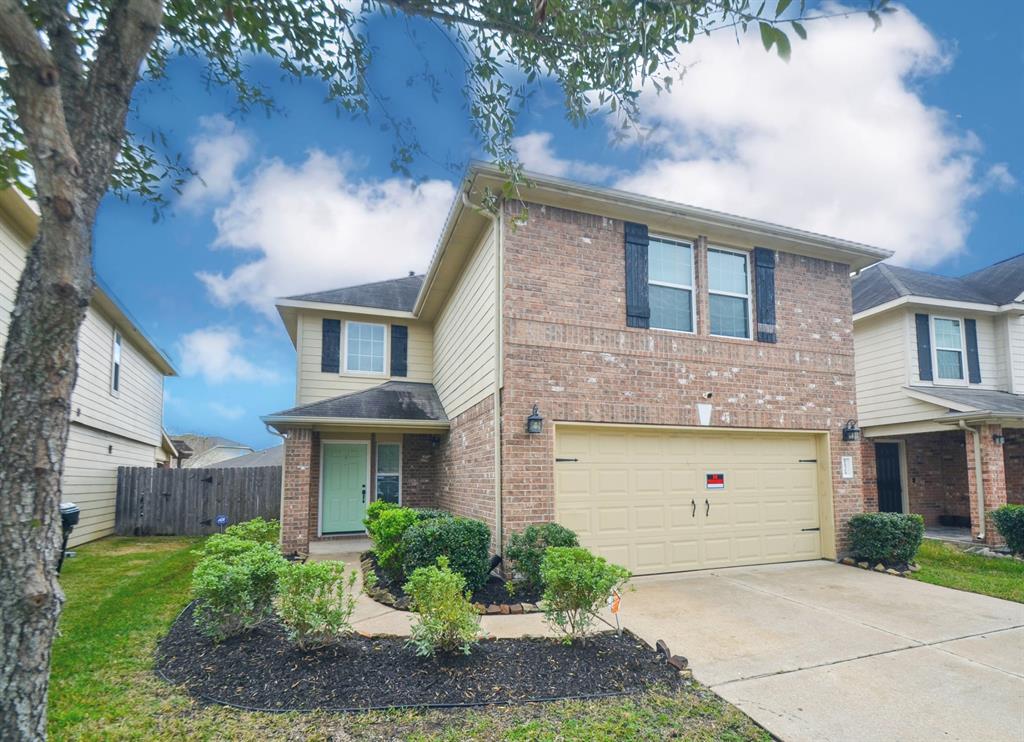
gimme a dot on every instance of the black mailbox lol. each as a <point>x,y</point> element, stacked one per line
<point>69,514</point>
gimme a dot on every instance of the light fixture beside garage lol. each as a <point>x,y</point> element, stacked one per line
<point>998,438</point>
<point>851,433</point>
<point>534,423</point>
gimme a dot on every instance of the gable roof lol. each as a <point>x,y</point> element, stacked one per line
<point>273,456</point>
<point>199,444</point>
<point>398,294</point>
<point>996,285</point>
<point>392,400</point>
<point>977,400</point>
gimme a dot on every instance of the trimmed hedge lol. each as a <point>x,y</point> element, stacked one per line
<point>525,550</point>
<point>465,542</point>
<point>386,523</point>
<point>1009,520</point>
<point>891,538</point>
<point>577,583</point>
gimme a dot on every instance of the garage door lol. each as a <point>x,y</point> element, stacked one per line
<point>665,501</point>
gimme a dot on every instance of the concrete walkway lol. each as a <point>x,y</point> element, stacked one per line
<point>819,651</point>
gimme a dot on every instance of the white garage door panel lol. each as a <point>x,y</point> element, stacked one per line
<point>639,497</point>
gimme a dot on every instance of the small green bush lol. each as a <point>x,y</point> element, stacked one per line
<point>447,620</point>
<point>224,546</point>
<point>525,551</point>
<point>374,510</point>
<point>576,584</point>
<point>257,529</point>
<point>890,538</point>
<point>464,541</point>
<point>315,602</point>
<point>235,593</point>
<point>386,532</point>
<point>1009,520</point>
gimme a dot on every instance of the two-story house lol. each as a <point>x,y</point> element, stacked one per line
<point>117,402</point>
<point>940,390</point>
<point>670,382</point>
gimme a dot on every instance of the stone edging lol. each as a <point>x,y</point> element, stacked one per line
<point>851,562</point>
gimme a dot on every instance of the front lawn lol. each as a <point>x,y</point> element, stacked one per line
<point>123,594</point>
<point>944,564</point>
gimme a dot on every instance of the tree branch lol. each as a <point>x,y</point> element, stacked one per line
<point>65,52</point>
<point>487,23</point>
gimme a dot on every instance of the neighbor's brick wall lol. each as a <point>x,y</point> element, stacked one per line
<point>419,470</point>
<point>567,347</point>
<point>937,475</point>
<point>993,473</point>
<point>296,500</point>
<point>465,465</point>
<point>1013,453</point>
<point>869,482</point>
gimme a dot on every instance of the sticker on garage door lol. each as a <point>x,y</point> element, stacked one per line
<point>715,481</point>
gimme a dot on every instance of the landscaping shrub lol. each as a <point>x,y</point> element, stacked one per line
<point>386,533</point>
<point>890,538</point>
<point>1009,520</point>
<point>374,510</point>
<point>315,602</point>
<point>447,620</point>
<point>224,546</point>
<point>525,550</point>
<point>257,529</point>
<point>576,584</point>
<point>464,541</point>
<point>236,592</point>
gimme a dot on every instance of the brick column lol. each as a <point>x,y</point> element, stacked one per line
<point>295,505</point>
<point>993,475</point>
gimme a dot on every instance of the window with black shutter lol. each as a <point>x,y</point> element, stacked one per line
<point>330,348</point>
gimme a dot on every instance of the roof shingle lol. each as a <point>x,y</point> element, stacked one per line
<point>392,400</point>
<point>398,294</point>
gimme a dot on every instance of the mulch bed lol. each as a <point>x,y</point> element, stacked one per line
<point>491,598</point>
<point>264,671</point>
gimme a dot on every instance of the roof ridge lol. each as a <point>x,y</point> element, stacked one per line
<point>896,283</point>
<point>967,276</point>
<point>360,285</point>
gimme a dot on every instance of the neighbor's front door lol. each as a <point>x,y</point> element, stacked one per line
<point>890,483</point>
<point>344,487</point>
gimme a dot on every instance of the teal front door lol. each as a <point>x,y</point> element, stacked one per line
<point>345,467</point>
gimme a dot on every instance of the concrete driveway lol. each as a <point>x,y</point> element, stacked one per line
<point>820,651</point>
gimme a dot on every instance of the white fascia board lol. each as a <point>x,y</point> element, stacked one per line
<point>966,306</point>
<point>320,306</point>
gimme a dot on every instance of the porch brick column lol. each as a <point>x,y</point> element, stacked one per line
<point>298,449</point>
<point>993,475</point>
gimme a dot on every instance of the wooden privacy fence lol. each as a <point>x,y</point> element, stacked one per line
<point>187,502</point>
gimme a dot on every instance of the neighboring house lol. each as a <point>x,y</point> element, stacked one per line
<point>207,450</point>
<point>267,457</point>
<point>694,371</point>
<point>117,402</point>
<point>940,389</point>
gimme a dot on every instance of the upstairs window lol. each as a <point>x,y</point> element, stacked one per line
<point>729,293</point>
<point>115,364</point>
<point>949,348</point>
<point>670,279</point>
<point>364,348</point>
<point>389,472</point>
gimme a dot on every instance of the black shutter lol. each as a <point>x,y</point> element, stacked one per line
<point>399,350</point>
<point>764,288</point>
<point>973,362</point>
<point>924,347</point>
<point>638,306</point>
<point>330,348</point>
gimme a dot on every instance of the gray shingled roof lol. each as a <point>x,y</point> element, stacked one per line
<point>982,400</point>
<point>398,294</point>
<point>273,456</point>
<point>392,400</point>
<point>997,284</point>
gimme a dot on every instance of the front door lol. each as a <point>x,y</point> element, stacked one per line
<point>890,483</point>
<point>343,489</point>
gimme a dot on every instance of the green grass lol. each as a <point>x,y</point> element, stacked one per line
<point>123,593</point>
<point>946,565</point>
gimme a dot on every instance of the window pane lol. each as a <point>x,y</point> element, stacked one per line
<point>387,458</point>
<point>727,271</point>
<point>947,334</point>
<point>364,345</point>
<point>387,488</point>
<point>670,309</point>
<point>670,263</point>
<point>950,364</point>
<point>728,316</point>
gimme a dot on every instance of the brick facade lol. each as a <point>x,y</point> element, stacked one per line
<point>1013,455</point>
<point>295,503</point>
<point>567,348</point>
<point>419,470</point>
<point>993,474</point>
<point>937,466</point>
<point>465,465</point>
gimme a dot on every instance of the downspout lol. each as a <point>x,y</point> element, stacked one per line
<point>978,478</point>
<point>284,442</point>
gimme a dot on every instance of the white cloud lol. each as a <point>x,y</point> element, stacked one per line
<point>217,355</point>
<point>228,412</point>
<point>535,152</point>
<point>216,155</point>
<point>838,141</point>
<point>315,227</point>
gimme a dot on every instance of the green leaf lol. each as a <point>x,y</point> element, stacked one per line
<point>800,30</point>
<point>781,7</point>
<point>767,36</point>
<point>782,44</point>
<point>876,18</point>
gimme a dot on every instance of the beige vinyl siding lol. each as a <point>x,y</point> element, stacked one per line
<point>12,262</point>
<point>1014,333</point>
<point>314,385</point>
<point>90,476</point>
<point>465,353</point>
<point>993,368</point>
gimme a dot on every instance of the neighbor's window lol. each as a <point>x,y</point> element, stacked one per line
<point>364,348</point>
<point>389,472</point>
<point>949,349</point>
<point>728,293</point>
<point>115,364</point>
<point>670,279</point>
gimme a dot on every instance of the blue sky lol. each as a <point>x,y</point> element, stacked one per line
<point>908,138</point>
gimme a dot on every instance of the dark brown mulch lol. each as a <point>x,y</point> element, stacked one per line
<point>263,670</point>
<point>493,593</point>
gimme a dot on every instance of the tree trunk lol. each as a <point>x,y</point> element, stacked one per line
<point>36,380</point>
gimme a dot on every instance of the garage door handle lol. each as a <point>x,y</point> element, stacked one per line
<point>693,509</point>
<point>810,529</point>
<point>707,508</point>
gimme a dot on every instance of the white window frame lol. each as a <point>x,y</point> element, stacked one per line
<point>749,296</point>
<point>116,363</point>
<point>345,370</point>
<point>691,288</point>
<point>962,350</point>
<point>376,468</point>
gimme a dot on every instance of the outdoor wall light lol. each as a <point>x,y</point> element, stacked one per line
<point>851,433</point>
<point>534,423</point>
<point>998,438</point>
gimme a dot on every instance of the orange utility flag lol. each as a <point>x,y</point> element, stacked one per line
<point>616,599</point>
